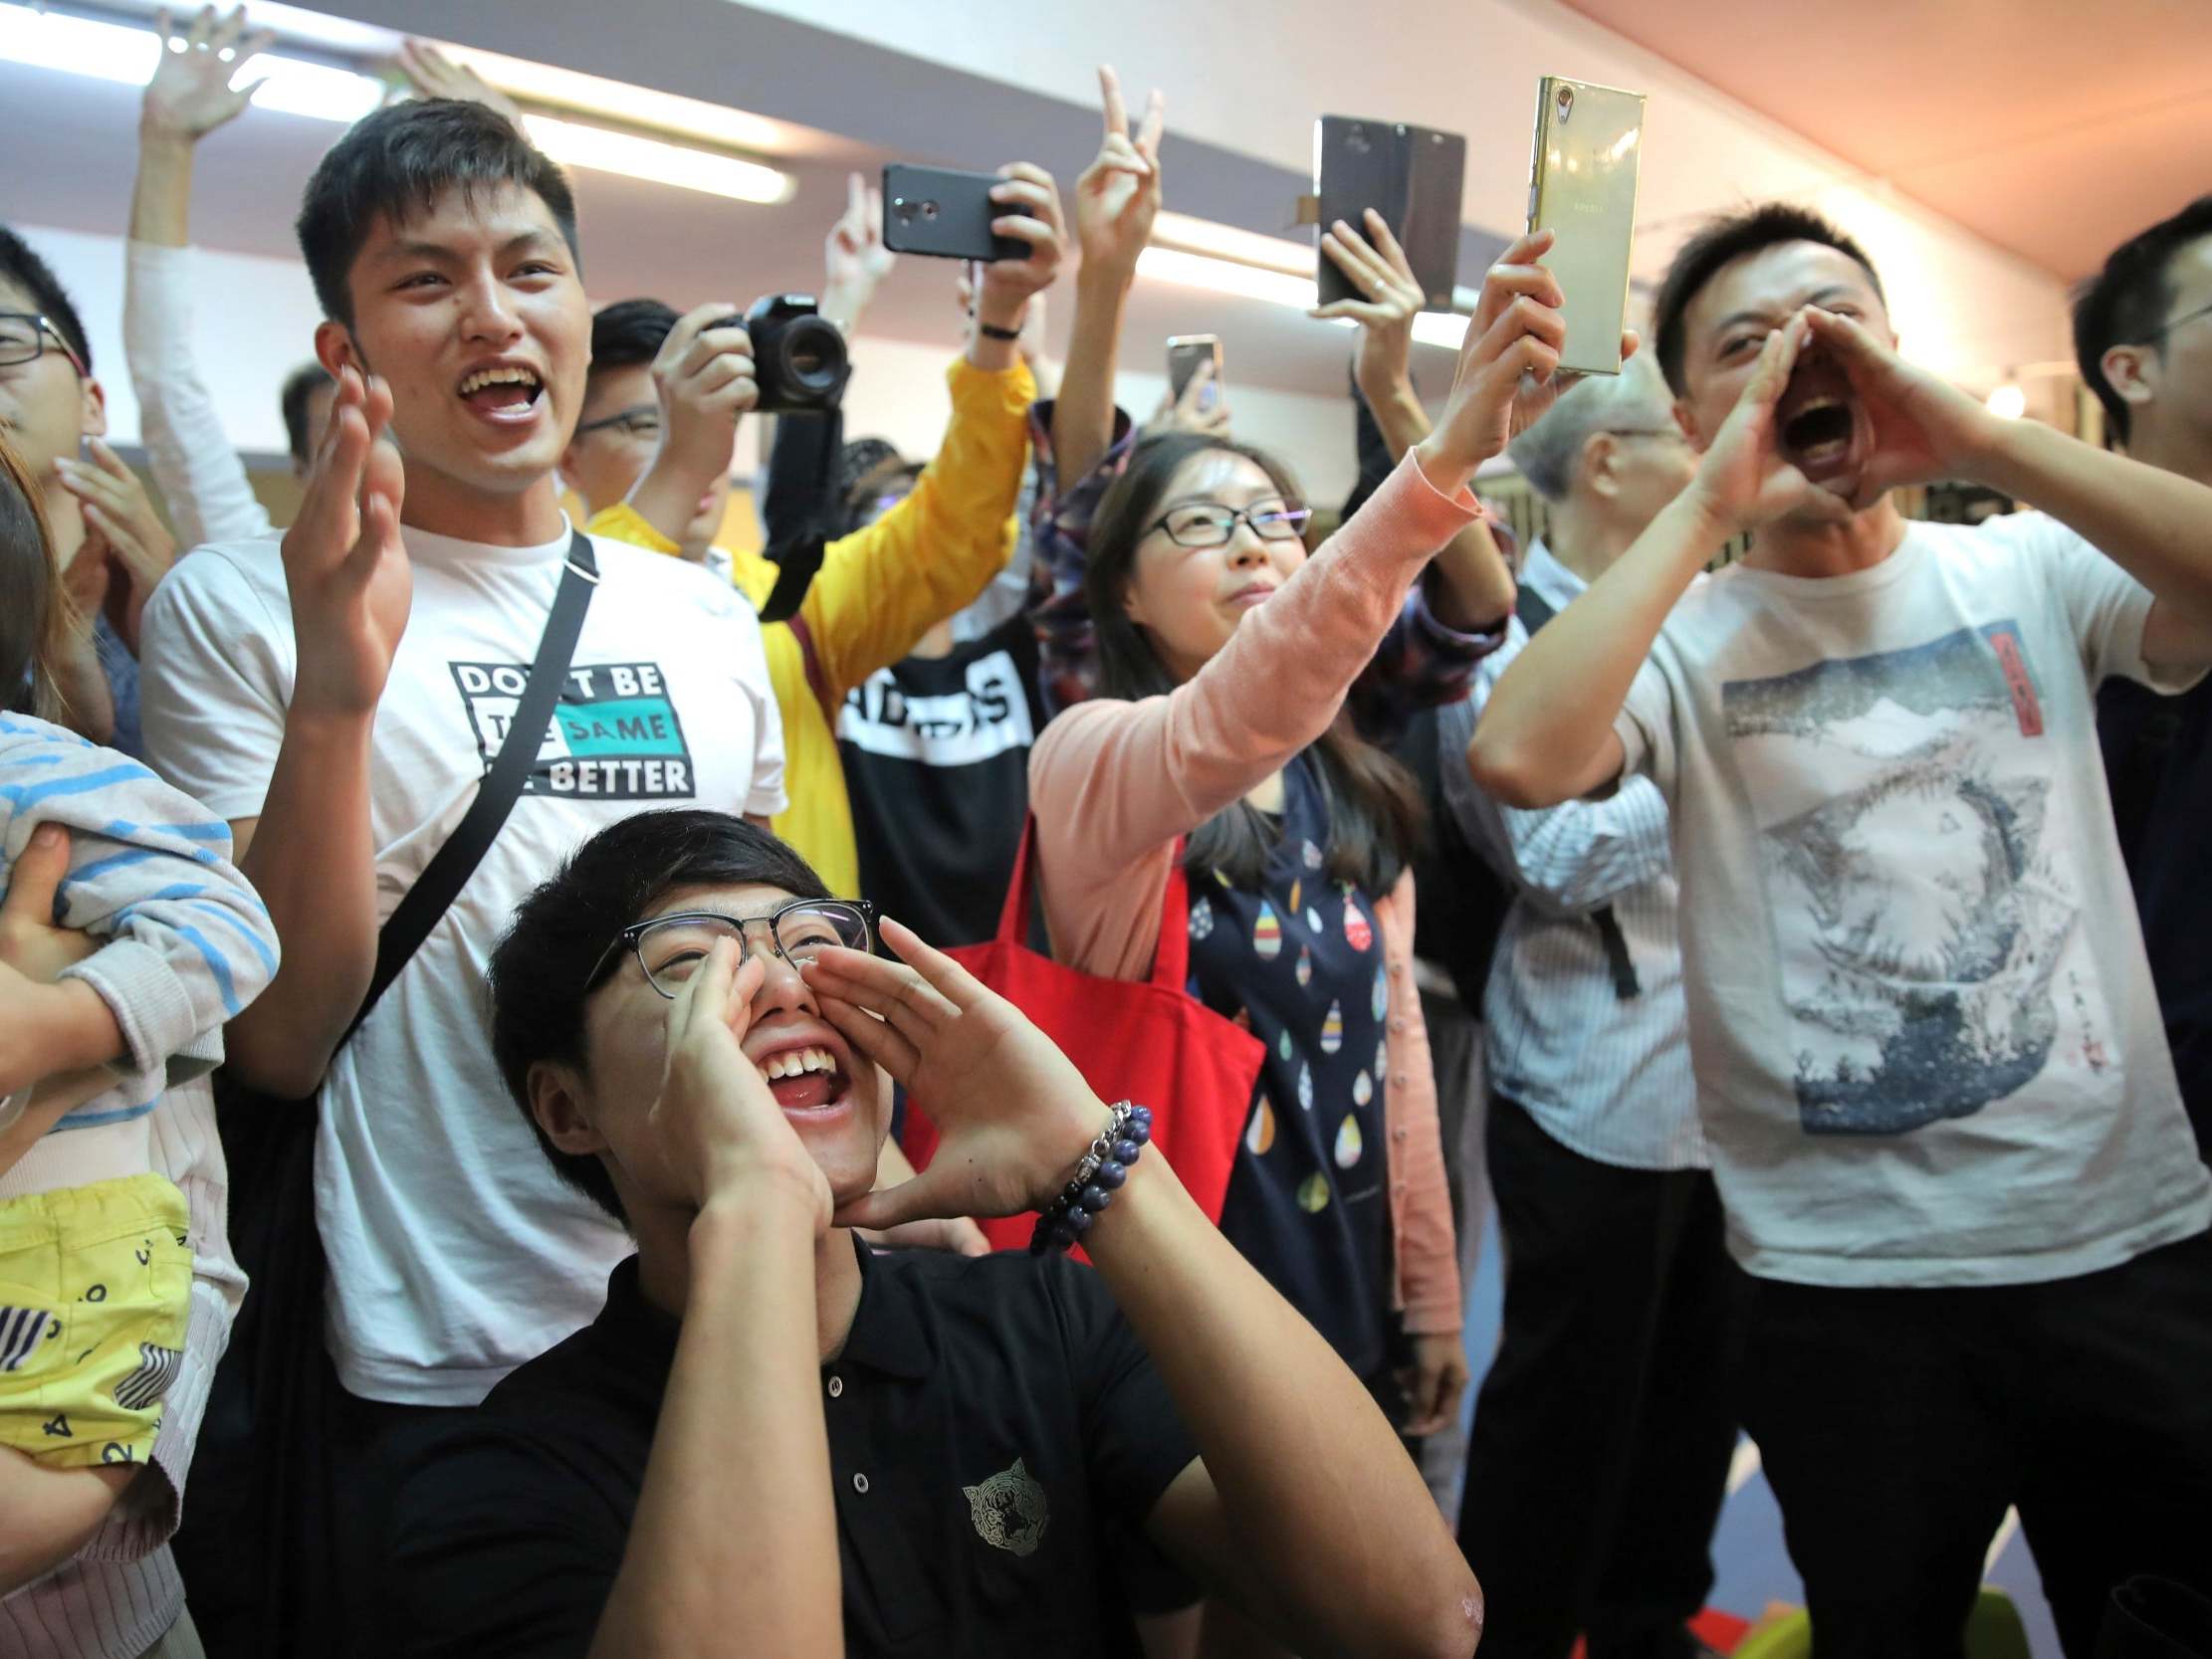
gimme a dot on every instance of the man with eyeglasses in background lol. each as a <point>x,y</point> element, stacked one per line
<point>2142,335</point>
<point>113,546</point>
<point>1603,1434</point>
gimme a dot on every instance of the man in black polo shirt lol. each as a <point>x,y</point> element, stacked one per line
<point>775,1442</point>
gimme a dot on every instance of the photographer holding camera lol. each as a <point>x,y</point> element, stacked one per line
<point>651,457</point>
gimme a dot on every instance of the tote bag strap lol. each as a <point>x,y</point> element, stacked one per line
<point>1170,958</point>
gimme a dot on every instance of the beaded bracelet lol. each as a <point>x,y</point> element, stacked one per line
<point>1097,1177</point>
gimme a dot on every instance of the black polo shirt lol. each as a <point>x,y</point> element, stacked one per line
<point>996,1438</point>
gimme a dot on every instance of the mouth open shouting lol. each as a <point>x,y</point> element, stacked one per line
<point>811,1081</point>
<point>505,395</point>
<point>1824,431</point>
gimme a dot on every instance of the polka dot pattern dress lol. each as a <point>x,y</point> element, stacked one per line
<point>1299,962</point>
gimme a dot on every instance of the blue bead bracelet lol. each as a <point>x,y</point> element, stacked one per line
<point>1097,1179</point>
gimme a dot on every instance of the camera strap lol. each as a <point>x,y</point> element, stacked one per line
<point>802,474</point>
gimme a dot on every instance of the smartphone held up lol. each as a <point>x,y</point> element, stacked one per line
<point>941,213</point>
<point>1582,188</point>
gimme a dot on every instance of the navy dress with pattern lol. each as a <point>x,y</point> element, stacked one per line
<point>1299,962</point>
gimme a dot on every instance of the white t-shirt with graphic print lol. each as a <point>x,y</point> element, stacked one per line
<point>1926,1044</point>
<point>455,1252</point>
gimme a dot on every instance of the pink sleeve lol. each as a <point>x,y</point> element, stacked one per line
<point>1425,1244</point>
<point>1114,783</point>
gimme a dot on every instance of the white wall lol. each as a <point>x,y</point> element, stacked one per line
<point>254,321</point>
<point>1252,75</point>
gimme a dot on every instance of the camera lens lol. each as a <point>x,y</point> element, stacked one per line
<point>928,210</point>
<point>1566,101</point>
<point>904,209</point>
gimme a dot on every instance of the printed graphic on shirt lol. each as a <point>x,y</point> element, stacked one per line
<point>1008,1511</point>
<point>957,728</point>
<point>1924,898</point>
<point>615,733</point>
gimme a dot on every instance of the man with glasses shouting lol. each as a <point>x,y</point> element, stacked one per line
<point>774,1440</point>
<point>113,546</point>
<point>2142,335</point>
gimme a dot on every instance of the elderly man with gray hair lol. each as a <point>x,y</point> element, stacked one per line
<point>1603,1435</point>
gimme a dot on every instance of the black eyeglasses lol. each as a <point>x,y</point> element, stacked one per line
<point>1210,525</point>
<point>641,422</point>
<point>2165,329</point>
<point>669,948</point>
<point>23,337</point>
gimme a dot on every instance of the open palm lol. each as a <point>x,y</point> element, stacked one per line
<point>1012,1111</point>
<point>192,91</point>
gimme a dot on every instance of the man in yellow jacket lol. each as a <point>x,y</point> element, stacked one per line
<point>651,457</point>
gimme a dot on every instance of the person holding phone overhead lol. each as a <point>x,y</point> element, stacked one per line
<point>1225,656</point>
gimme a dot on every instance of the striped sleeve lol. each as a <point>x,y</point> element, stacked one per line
<point>186,942</point>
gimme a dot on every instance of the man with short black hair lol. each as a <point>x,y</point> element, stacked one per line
<point>1943,1113</point>
<point>340,699</point>
<point>2142,335</point>
<point>774,1441</point>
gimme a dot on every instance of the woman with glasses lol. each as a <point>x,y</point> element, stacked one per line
<point>1224,656</point>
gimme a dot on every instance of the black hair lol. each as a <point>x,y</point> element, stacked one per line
<point>630,332</point>
<point>298,386</point>
<point>22,266</point>
<point>396,164</point>
<point>2125,302</point>
<point>863,504</point>
<point>1723,241</point>
<point>1375,807</point>
<point>539,979</point>
<point>36,617</point>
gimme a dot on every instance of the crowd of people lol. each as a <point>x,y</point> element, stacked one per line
<point>555,1070</point>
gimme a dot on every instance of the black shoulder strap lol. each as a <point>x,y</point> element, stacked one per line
<point>1535,610</point>
<point>454,863</point>
<point>1532,608</point>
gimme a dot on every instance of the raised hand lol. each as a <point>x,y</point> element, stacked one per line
<point>1514,338</point>
<point>122,528</point>
<point>715,1123</point>
<point>1392,299</point>
<point>1032,215</point>
<point>1014,1113</point>
<point>1744,480</point>
<point>703,377</point>
<point>192,91</point>
<point>344,560</point>
<point>1200,409</point>
<point>854,259</point>
<point>1117,198</point>
<point>429,72</point>
<point>1923,428</point>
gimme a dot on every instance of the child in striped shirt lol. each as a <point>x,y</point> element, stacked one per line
<point>96,1259</point>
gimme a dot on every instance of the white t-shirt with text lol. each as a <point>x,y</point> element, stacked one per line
<point>455,1252</point>
<point>1926,1044</point>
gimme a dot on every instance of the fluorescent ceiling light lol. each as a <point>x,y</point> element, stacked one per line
<point>116,52</point>
<point>605,150</point>
<point>1273,283</point>
<point>1203,236</point>
<point>572,90</point>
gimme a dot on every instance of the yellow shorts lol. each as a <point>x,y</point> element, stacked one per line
<point>96,1283</point>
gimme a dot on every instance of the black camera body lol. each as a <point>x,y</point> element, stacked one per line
<point>798,355</point>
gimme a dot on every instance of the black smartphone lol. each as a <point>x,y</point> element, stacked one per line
<point>1411,177</point>
<point>944,214</point>
<point>1355,167</point>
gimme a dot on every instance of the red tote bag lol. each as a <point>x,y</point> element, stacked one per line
<point>1144,1040</point>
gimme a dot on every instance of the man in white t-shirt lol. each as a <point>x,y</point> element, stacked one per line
<point>339,697</point>
<point>1940,1106</point>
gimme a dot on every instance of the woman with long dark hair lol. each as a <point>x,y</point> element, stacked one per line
<point>1224,655</point>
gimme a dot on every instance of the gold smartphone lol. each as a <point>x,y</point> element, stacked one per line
<point>1582,187</point>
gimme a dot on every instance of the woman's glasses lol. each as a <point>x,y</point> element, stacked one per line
<point>1207,524</point>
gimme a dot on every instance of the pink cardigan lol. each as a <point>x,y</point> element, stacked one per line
<point>1114,783</point>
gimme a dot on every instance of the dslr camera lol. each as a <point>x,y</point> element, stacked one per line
<point>798,355</point>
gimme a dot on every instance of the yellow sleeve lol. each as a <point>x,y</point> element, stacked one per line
<point>750,573</point>
<point>882,588</point>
